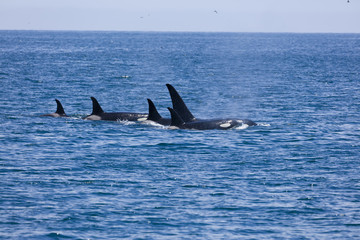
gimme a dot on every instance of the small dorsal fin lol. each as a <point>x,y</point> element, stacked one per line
<point>59,109</point>
<point>153,113</point>
<point>179,106</point>
<point>176,120</point>
<point>97,110</point>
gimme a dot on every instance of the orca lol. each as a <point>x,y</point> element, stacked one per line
<point>182,110</point>
<point>155,116</point>
<point>99,114</point>
<point>59,111</point>
<point>178,123</point>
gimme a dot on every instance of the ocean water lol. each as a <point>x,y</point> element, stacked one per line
<point>295,176</point>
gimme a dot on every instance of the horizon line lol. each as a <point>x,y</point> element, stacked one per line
<point>173,31</point>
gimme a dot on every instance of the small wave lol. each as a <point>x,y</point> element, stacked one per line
<point>264,124</point>
<point>57,235</point>
<point>123,76</point>
<point>77,117</point>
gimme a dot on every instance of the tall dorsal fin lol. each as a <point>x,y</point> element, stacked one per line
<point>97,110</point>
<point>179,105</point>
<point>153,113</point>
<point>176,120</point>
<point>59,109</point>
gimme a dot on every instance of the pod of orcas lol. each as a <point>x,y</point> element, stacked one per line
<point>181,117</point>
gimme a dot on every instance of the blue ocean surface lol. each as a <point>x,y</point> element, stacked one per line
<point>294,176</point>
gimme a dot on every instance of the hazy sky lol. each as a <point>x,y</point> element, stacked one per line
<point>182,15</point>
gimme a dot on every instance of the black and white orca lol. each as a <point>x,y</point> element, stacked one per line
<point>59,111</point>
<point>155,116</point>
<point>183,118</point>
<point>99,114</point>
<point>178,122</point>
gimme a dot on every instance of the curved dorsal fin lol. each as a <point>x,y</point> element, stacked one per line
<point>176,120</point>
<point>59,109</point>
<point>97,110</point>
<point>179,105</point>
<point>153,113</point>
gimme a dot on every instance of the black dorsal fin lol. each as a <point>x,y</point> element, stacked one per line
<point>59,109</point>
<point>176,119</point>
<point>179,105</point>
<point>97,110</point>
<point>153,113</point>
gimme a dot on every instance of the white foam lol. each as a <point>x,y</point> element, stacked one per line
<point>125,122</point>
<point>263,124</point>
<point>142,119</point>
<point>241,127</point>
